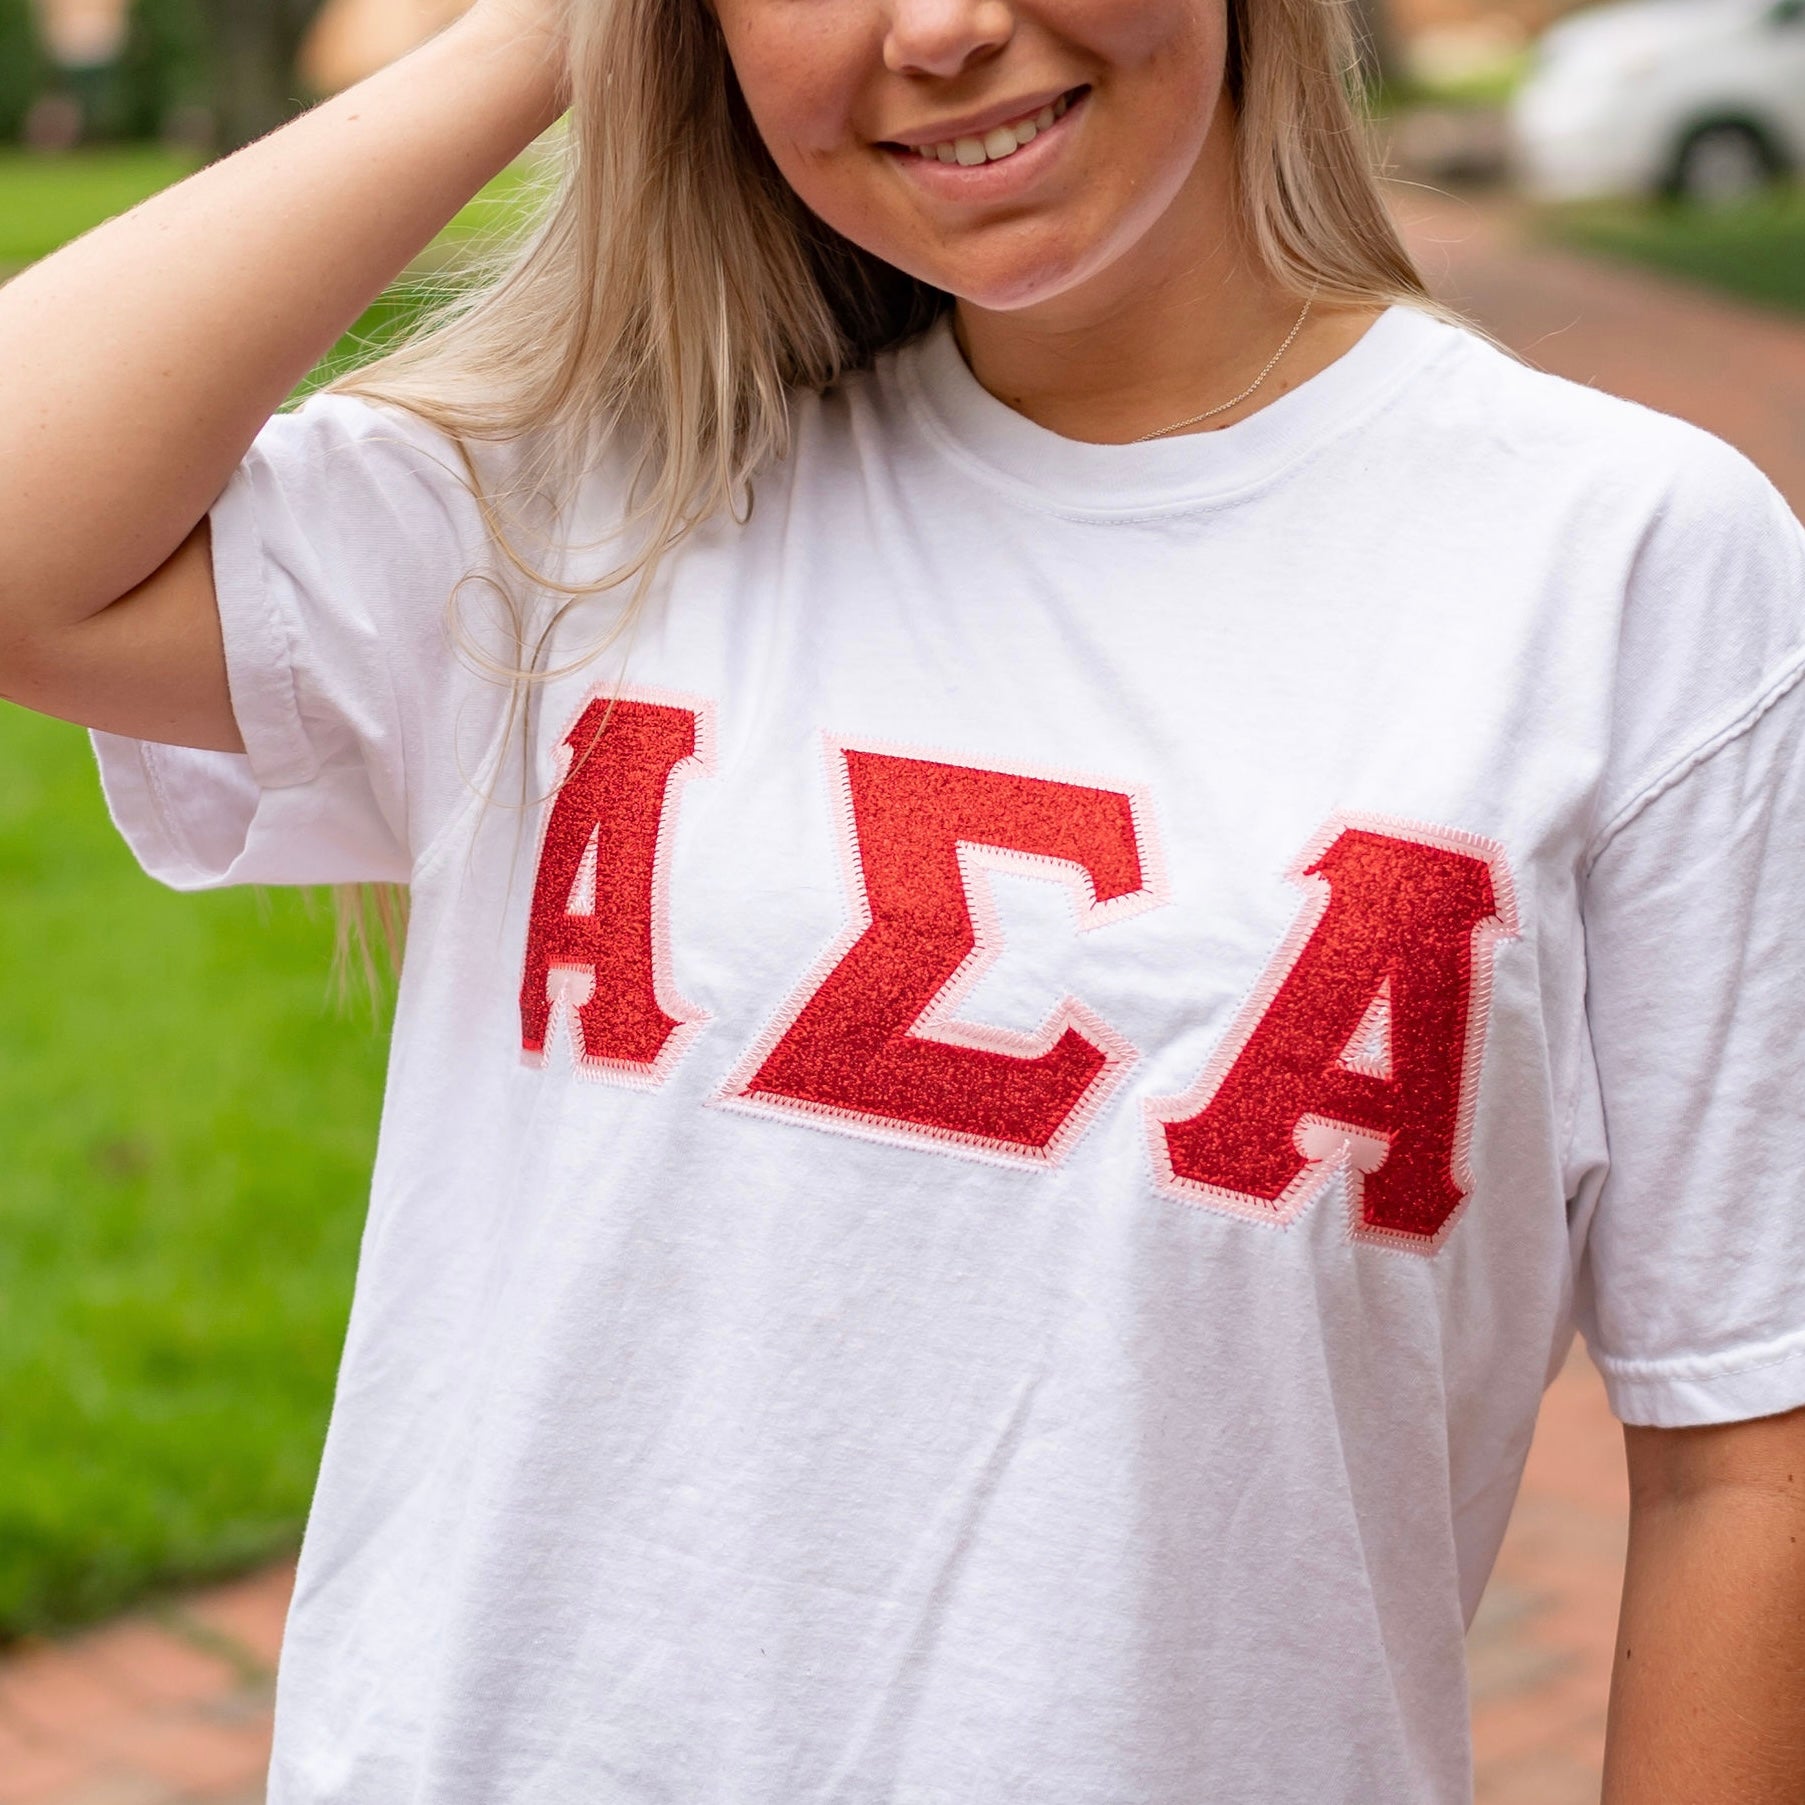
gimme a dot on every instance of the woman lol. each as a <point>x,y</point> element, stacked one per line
<point>1144,870</point>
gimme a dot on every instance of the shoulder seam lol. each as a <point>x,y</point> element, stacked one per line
<point>1741,722</point>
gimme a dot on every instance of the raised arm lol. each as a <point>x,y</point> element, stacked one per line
<point>137,364</point>
<point>1708,1697</point>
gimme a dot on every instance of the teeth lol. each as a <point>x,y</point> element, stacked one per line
<point>999,142</point>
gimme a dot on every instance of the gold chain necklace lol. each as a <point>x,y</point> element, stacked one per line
<point>1272,363</point>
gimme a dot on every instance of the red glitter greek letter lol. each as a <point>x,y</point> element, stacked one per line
<point>597,950</point>
<point>1360,1048</point>
<point>871,1043</point>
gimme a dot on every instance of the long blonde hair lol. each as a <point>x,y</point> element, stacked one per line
<point>673,292</point>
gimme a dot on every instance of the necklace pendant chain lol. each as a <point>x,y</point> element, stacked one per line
<point>1208,413</point>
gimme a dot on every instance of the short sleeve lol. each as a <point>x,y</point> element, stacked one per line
<point>337,546</point>
<point>1690,1203</point>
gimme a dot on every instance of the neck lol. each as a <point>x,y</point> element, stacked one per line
<point>1178,323</point>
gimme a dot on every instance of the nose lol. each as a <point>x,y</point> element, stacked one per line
<point>945,37</point>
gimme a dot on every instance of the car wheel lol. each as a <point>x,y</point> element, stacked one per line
<point>1719,165</point>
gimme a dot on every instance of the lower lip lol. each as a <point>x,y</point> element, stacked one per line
<point>988,181</point>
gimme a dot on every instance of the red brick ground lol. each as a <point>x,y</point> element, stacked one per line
<point>171,1707</point>
<point>167,1707</point>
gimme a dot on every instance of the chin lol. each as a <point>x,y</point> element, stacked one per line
<point>1010,284</point>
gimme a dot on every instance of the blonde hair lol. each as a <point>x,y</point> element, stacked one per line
<point>673,291</point>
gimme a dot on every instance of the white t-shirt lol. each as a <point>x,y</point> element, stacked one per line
<point>980,1208</point>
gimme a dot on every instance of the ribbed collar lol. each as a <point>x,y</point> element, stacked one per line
<point>1068,476</point>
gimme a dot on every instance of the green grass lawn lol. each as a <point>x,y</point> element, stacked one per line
<point>1755,251</point>
<point>47,200</point>
<point>186,1123</point>
<point>187,1117</point>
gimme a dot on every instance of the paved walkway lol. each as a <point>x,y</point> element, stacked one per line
<point>171,1707</point>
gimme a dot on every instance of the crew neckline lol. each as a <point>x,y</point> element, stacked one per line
<point>1050,471</point>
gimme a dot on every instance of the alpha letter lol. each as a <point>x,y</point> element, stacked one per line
<point>1361,1045</point>
<point>597,944</point>
<point>870,1042</point>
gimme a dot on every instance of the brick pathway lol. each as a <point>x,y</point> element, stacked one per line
<point>171,1707</point>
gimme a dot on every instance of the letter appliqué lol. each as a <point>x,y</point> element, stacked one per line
<point>598,941</point>
<point>871,1043</point>
<point>1361,1045</point>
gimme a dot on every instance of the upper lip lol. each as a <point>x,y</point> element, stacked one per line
<point>975,125</point>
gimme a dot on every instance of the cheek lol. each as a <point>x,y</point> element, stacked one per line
<point>800,78</point>
<point>804,84</point>
<point>1141,38</point>
<point>1161,62</point>
<point>813,78</point>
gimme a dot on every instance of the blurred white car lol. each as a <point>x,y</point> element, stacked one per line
<point>1701,98</point>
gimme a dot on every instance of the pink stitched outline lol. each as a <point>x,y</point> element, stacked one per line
<point>1354,1150</point>
<point>939,1018</point>
<point>564,998</point>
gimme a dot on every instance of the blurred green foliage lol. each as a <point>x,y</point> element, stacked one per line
<point>1755,250</point>
<point>23,66</point>
<point>204,70</point>
<point>163,72</point>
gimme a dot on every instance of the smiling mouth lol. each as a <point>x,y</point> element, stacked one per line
<point>999,142</point>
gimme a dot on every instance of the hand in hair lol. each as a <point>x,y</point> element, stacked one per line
<point>143,358</point>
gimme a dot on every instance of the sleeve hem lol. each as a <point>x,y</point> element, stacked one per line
<point>176,846</point>
<point>260,652</point>
<point>1764,1380</point>
<point>135,800</point>
<point>185,815</point>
